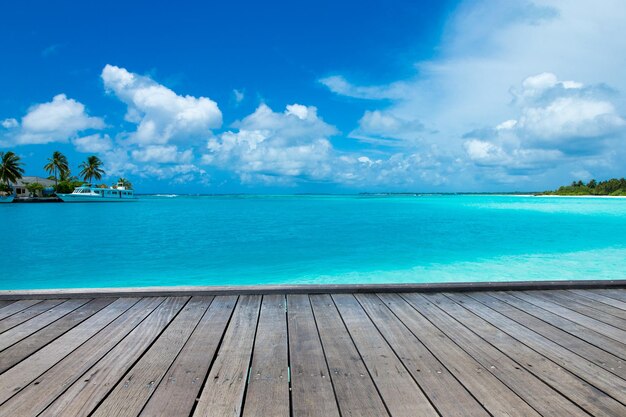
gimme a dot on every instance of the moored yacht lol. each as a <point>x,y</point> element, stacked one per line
<point>87,193</point>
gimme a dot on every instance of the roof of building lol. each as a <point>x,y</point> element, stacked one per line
<point>29,180</point>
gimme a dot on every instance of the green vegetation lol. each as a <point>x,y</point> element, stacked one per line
<point>10,168</point>
<point>57,165</point>
<point>5,189</point>
<point>34,189</point>
<point>92,168</point>
<point>612,187</point>
<point>125,183</point>
<point>11,171</point>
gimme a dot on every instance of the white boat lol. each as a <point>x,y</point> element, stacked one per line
<point>89,194</point>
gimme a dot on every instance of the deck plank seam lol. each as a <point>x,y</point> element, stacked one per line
<point>398,357</point>
<point>433,355</point>
<point>615,296</point>
<point>563,300</point>
<point>29,318</point>
<point>539,310</point>
<point>80,377</point>
<point>248,373</point>
<point>356,347</point>
<point>332,384</point>
<point>217,350</point>
<point>21,309</point>
<point>176,356</point>
<point>432,352</point>
<point>479,362</point>
<point>606,326</point>
<point>41,328</point>
<point>547,337</point>
<point>562,366</point>
<point>132,365</point>
<point>51,340</point>
<point>289,367</point>
<point>577,307</point>
<point>598,298</point>
<point>27,384</point>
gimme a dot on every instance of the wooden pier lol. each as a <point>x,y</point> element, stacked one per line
<point>482,353</point>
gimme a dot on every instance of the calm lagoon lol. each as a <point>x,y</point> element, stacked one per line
<point>254,240</point>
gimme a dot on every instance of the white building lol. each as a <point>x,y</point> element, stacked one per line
<point>22,191</point>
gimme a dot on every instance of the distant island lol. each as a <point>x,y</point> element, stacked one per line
<point>612,187</point>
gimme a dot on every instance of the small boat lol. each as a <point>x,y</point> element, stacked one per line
<point>7,198</point>
<point>89,194</point>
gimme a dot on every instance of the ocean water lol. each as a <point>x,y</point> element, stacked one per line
<point>254,240</point>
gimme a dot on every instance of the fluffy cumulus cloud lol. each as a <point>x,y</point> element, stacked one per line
<point>56,121</point>
<point>274,146</point>
<point>558,122</point>
<point>161,115</point>
<point>540,93</point>
<point>95,143</point>
<point>386,128</point>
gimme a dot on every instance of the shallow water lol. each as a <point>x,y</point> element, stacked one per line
<point>247,240</point>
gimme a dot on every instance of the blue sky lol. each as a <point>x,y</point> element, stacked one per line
<point>198,97</point>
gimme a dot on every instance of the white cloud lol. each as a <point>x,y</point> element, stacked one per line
<point>56,121</point>
<point>93,143</point>
<point>268,144</point>
<point>550,125</point>
<point>238,95</point>
<point>162,154</point>
<point>385,128</point>
<point>10,123</point>
<point>161,115</point>
<point>339,85</point>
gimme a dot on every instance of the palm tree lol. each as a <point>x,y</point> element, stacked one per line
<point>58,163</point>
<point>91,169</point>
<point>125,183</point>
<point>10,168</point>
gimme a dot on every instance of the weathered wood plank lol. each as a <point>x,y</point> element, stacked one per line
<point>582,319</point>
<point>4,303</point>
<point>16,307</point>
<point>178,390</point>
<point>88,391</point>
<point>29,327</point>
<point>540,396</point>
<point>355,390</point>
<point>567,297</point>
<point>602,299</point>
<point>494,395</point>
<point>581,308</point>
<point>225,385</point>
<point>311,387</point>
<point>597,378</point>
<point>617,293</point>
<point>47,387</point>
<point>398,389</point>
<point>27,314</point>
<point>600,340</point>
<point>268,389</point>
<point>568,385</point>
<point>18,352</point>
<point>446,393</point>
<point>598,356</point>
<point>22,374</point>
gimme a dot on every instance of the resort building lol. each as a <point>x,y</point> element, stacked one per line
<point>22,191</point>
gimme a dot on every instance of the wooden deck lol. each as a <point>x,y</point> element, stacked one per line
<point>487,353</point>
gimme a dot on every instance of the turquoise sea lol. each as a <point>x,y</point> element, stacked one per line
<point>248,240</point>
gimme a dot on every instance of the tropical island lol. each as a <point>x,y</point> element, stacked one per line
<point>613,187</point>
<point>12,174</point>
